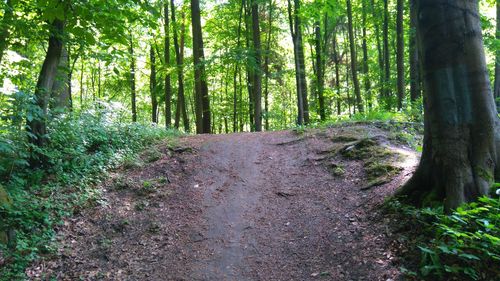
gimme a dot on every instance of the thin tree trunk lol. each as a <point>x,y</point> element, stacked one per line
<point>387,65</point>
<point>201,89</point>
<point>337,73</point>
<point>266,65</point>
<point>354,60</point>
<point>459,154</point>
<point>400,53</point>
<point>251,102</point>
<point>257,73</point>
<point>81,84</point>
<point>152,85</point>
<point>38,126</point>
<point>166,54</point>
<point>179,57</point>
<point>236,71</point>
<point>366,71</point>
<point>132,78</point>
<point>320,84</point>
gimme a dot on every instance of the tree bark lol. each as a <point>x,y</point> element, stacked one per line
<point>38,126</point>
<point>257,72</point>
<point>166,54</point>
<point>415,89</point>
<point>202,105</point>
<point>266,65</point>
<point>152,85</point>
<point>496,88</point>
<point>236,72</point>
<point>387,63</point>
<point>61,98</point>
<point>459,154</point>
<point>320,78</point>
<point>179,57</point>
<point>354,59</point>
<point>366,72</point>
<point>132,78</point>
<point>400,53</point>
<point>300,71</point>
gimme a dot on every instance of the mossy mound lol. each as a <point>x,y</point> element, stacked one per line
<point>5,202</point>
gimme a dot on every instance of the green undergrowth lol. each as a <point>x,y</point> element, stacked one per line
<point>462,246</point>
<point>81,149</point>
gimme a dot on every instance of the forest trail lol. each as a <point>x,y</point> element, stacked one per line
<point>260,206</point>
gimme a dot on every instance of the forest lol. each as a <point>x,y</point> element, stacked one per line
<point>112,110</point>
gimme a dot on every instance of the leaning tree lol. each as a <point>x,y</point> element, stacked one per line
<point>459,162</point>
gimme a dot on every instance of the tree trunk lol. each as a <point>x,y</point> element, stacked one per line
<point>300,73</point>
<point>320,84</point>
<point>266,65</point>
<point>257,72</point>
<point>132,79</point>
<point>61,99</point>
<point>201,88</point>
<point>459,154</point>
<point>38,126</point>
<point>4,27</point>
<point>152,85</point>
<point>496,89</point>
<point>337,73</point>
<point>236,72</point>
<point>366,69</point>
<point>166,54</point>
<point>354,59</point>
<point>380,52</point>
<point>179,57</point>
<point>400,53</point>
<point>387,63</point>
<point>415,89</point>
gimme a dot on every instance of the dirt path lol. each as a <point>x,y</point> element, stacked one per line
<point>268,206</point>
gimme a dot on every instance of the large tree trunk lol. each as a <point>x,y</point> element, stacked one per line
<point>459,154</point>
<point>166,53</point>
<point>202,100</point>
<point>152,85</point>
<point>4,27</point>
<point>354,59</point>
<point>38,126</point>
<point>415,89</point>
<point>132,78</point>
<point>257,72</point>
<point>400,53</point>
<point>387,63</point>
<point>496,89</point>
<point>61,97</point>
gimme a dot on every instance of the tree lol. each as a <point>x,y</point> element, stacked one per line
<point>38,125</point>
<point>166,54</point>
<point>387,62</point>
<point>496,87</point>
<point>202,103</point>
<point>152,85</point>
<point>354,59</point>
<point>415,89</point>
<point>400,53</point>
<point>179,58</point>
<point>133,94</point>
<point>5,24</point>
<point>459,153</point>
<point>257,72</point>
<point>300,67</point>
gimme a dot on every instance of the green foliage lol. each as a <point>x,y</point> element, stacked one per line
<point>462,246</point>
<point>80,151</point>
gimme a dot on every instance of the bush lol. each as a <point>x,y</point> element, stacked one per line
<point>462,246</point>
<point>81,149</point>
